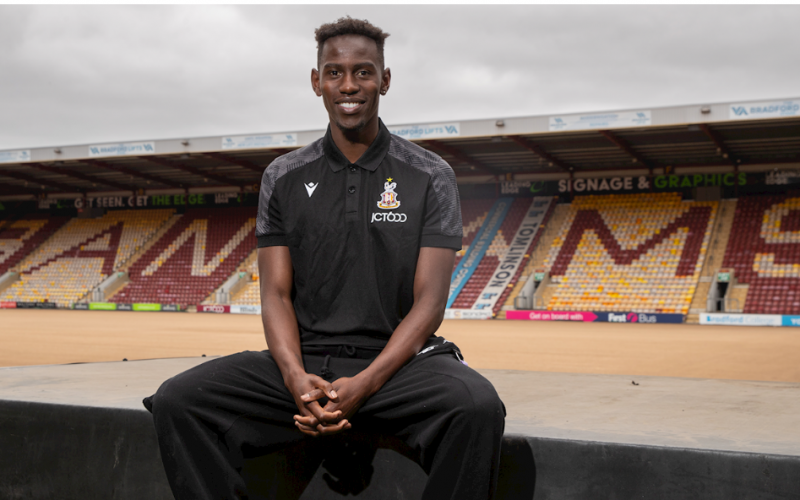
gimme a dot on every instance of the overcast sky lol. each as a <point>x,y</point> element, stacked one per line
<point>93,74</point>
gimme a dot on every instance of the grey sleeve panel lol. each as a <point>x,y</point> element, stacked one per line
<point>443,180</point>
<point>277,169</point>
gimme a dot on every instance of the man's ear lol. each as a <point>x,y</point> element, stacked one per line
<point>386,80</point>
<point>315,82</point>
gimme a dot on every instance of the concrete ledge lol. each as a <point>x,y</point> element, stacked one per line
<point>62,451</point>
<point>80,432</point>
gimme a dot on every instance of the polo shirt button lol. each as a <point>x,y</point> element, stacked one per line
<point>352,168</point>
<point>351,189</point>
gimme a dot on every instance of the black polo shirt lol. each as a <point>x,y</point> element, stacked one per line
<point>354,232</point>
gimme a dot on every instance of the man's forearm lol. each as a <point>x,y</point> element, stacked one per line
<point>281,333</point>
<point>277,311</point>
<point>421,322</point>
<point>431,285</point>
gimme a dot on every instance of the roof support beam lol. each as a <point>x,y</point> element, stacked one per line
<point>461,156</point>
<point>541,153</point>
<point>249,165</point>
<point>191,170</point>
<point>40,182</point>
<point>623,145</point>
<point>130,171</point>
<point>78,175</point>
<point>718,142</point>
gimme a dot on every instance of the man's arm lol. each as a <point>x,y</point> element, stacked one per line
<point>431,286</point>
<point>283,338</point>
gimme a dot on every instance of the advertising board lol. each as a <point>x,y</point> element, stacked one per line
<point>259,141</point>
<point>244,309</point>
<point>213,308</point>
<point>507,267</point>
<point>81,306</point>
<point>741,319</point>
<point>102,306</point>
<point>124,307</point>
<point>467,314</point>
<point>8,305</point>
<point>598,317</point>
<point>122,149</point>
<point>146,307</point>
<point>427,131</point>
<point>15,156</point>
<point>170,307</point>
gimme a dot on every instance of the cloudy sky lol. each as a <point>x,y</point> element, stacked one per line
<point>90,74</point>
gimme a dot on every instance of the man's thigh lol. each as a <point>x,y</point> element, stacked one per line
<point>427,389</point>
<point>223,390</point>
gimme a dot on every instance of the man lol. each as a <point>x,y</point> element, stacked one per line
<point>357,234</point>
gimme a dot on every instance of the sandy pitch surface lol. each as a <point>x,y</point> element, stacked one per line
<point>31,337</point>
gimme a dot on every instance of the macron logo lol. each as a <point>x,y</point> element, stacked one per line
<point>310,187</point>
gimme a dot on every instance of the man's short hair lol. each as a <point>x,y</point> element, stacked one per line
<point>349,26</point>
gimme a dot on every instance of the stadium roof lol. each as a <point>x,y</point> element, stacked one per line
<point>715,136</point>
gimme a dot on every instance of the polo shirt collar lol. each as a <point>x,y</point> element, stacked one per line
<point>371,158</point>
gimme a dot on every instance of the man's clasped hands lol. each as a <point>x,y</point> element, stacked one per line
<point>344,397</point>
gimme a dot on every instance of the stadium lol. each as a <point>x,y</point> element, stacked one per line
<point>684,215</point>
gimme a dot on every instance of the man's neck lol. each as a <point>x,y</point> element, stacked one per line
<point>353,144</point>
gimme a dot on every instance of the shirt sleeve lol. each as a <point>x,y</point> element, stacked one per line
<point>269,223</point>
<point>442,227</point>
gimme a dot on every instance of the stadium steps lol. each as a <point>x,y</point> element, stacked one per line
<point>739,293</point>
<point>551,230</point>
<point>246,265</point>
<point>719,238</point>
<point>125,266</point>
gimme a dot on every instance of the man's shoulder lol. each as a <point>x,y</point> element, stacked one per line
<point>284,164</point>
<point>417,156</point>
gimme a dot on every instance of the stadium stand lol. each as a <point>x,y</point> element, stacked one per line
<point>639,253</point>
<point>764,251</point>
<point>20,237</point>
<point>192,258</point>
<point>539,250</point>
<point>81,254</point>
<point>497,250</point>
<point>473,213</point>
<point>250,294</point>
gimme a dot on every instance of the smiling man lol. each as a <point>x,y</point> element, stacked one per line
<point>357,234</point>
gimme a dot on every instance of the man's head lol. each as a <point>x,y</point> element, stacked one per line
<point>349,26</point>
<point>350,75</point>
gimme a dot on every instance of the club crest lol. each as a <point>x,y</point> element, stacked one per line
<point>389,199</point>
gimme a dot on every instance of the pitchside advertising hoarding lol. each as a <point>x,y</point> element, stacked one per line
<point>749,319</point>
<point>234,309</point>
<point>595,317</point>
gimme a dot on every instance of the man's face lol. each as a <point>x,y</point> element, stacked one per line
<point>350,80</point>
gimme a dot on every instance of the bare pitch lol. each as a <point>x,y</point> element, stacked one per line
<point>31,337</point>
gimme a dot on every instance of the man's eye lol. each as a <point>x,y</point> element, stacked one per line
<point>333,72</point>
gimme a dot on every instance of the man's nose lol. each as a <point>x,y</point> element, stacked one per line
<point>348,85</point>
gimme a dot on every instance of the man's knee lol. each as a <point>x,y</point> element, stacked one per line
<point>477,401</point>
<point>175,397</point>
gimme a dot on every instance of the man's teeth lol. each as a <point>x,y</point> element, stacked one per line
<point>349,105</point>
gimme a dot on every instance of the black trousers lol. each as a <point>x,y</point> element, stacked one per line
<point>213,416</point>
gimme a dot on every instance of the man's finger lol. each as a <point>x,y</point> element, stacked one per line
<point>314,395</point>
<point>322,415</point>
<point>333,429</point>
<point>307,420</point>
<point>307,430</point>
